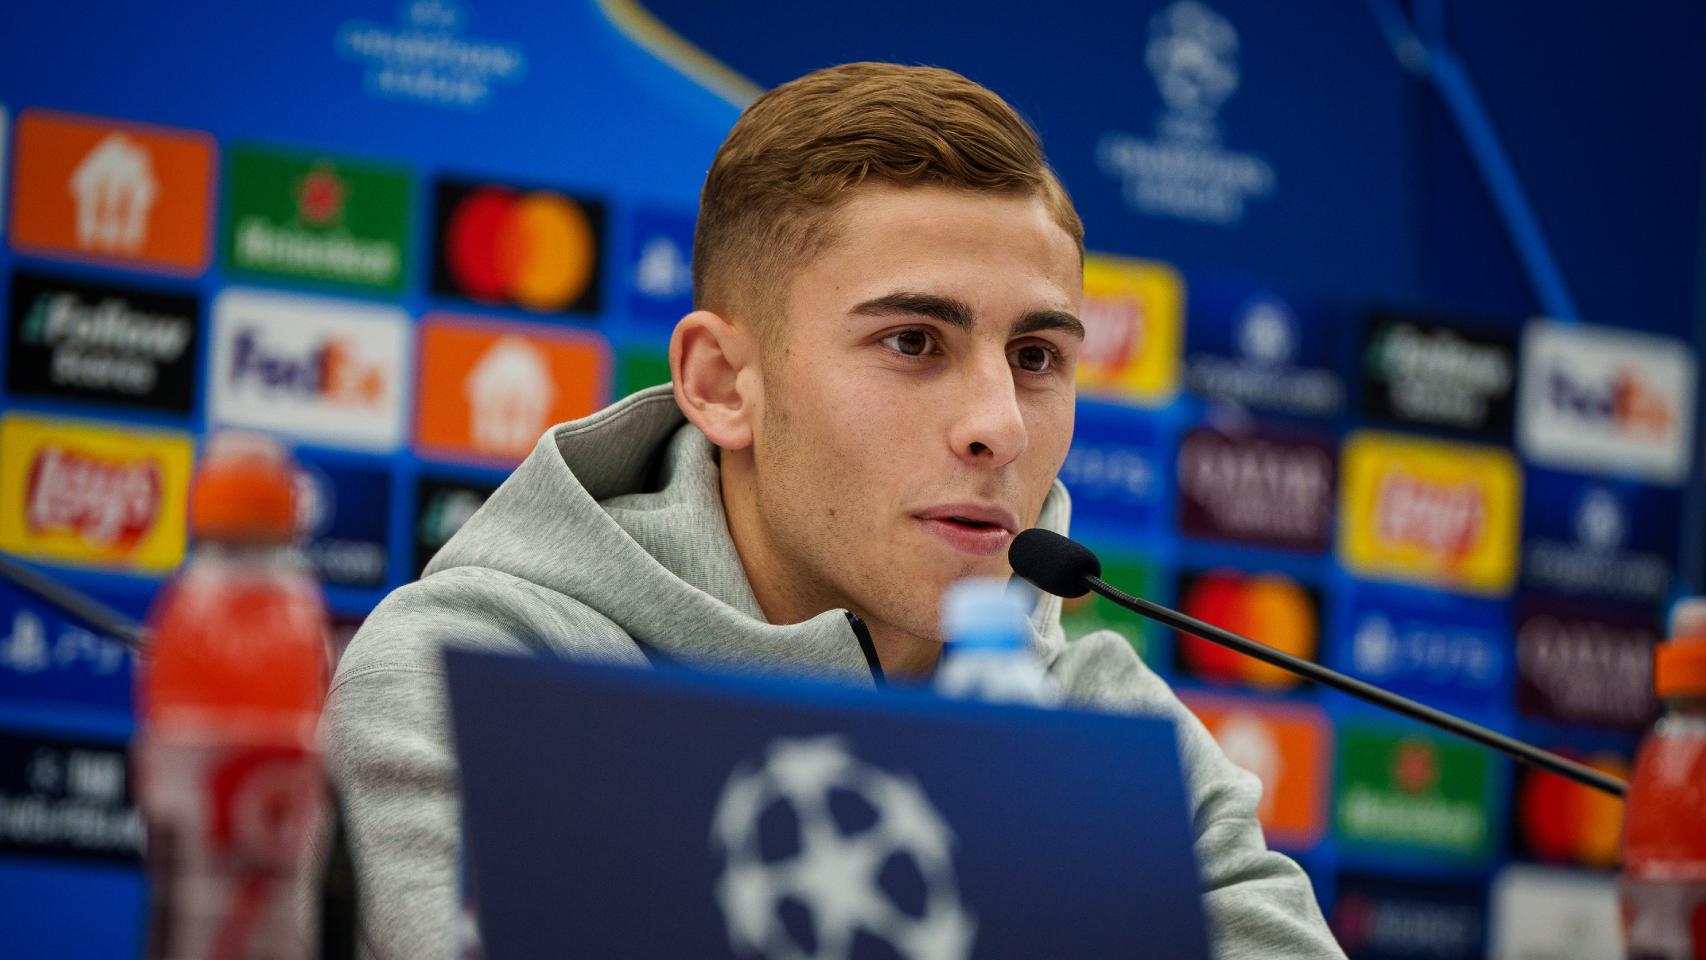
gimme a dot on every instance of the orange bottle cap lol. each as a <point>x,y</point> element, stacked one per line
<point>1679,666</point>
<point>244,490</point>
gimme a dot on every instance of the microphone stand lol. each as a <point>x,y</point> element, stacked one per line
<point>1533,756</point>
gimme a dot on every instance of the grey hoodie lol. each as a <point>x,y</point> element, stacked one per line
<point>609,543</point>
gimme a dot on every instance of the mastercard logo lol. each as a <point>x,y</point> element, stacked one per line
<point>1561,821</point>
<point>1267,608</point>
<point>536,249</point>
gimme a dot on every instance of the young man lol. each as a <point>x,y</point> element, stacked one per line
<point>874,394</point>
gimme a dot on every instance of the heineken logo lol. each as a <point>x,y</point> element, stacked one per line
<point>1412,792</point>
<point>317,219</point>
<point>320,196</point>
<point>1415,767</point>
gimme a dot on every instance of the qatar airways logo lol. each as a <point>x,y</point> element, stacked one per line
<point>1261,489</point>
<point>1584,666</point>
<point>327,371</point>
<point>1607,401</point>
<point>1447,519</point>
<point>110,504</point>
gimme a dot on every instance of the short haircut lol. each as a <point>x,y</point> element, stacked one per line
<point>795,155</point>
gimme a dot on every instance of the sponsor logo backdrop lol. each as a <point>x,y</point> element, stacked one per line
<point>397,267</point>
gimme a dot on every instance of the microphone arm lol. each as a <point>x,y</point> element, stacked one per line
<point>1531,755</point>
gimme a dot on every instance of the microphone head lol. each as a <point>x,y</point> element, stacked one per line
<point>1054,563</point>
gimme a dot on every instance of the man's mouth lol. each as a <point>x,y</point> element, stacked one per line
<point>975,529</point>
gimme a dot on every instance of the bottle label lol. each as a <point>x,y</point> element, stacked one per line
<point>1664,920</point>
<point>229,826</point>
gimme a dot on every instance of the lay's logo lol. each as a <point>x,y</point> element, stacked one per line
<point>1607,401</point>
<point>77,493</point>
<point>1133,312</point>
<point>1444,518</point>
<point>1432,512</point>
<point>107,503</point>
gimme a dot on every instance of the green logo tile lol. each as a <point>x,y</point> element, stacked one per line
<point>316,218</point>
<point>1091,612</point>
<point>1419,792</point>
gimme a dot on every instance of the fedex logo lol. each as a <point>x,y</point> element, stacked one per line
<point>328,371</point>
<point>1607,401</point>
<point>1625,401</point>
<point>333,370</point>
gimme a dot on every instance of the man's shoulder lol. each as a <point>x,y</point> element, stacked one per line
<point>1103,670</point>
<point>483,609</point>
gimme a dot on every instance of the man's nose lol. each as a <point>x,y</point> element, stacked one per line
<point>989,428</point>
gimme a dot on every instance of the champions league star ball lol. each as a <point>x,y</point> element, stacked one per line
<point>826,857</point>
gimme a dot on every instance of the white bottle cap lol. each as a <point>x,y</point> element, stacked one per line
<point>983,612</point>
<point>1688,618</point>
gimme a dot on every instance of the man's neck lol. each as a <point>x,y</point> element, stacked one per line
<point>786,599</point>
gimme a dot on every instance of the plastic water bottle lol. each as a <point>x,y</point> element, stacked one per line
<point>988,654</point>
<point>1663,886</point>
<point>229,698</point>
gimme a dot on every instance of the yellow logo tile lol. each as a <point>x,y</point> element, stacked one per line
<point>1429,511</point>
<point>75,492</point>
<point>1133,315</point>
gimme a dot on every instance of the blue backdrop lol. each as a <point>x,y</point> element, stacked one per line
<point>1290,172</point>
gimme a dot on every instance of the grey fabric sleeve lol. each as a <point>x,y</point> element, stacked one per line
<point>388,739</point>
<point>1260,904</point>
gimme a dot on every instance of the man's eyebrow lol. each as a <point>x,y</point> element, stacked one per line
<point>1049,320</point>
<point>952,312</point>
<point>956,313</point>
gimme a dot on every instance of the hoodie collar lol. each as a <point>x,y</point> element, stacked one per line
<point>622,511</point>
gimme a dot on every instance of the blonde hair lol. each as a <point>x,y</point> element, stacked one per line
<point>798,152</point>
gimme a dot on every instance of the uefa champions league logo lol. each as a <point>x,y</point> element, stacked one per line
<point>824,854</point>
<point>1267,330</point>
<point>1189,169</point>
<point>1193,55</point>
<point>1599,520</point>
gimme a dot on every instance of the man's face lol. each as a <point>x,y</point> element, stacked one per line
<point>918,400</point>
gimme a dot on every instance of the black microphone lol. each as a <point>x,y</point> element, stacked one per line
<point>1067,568</point>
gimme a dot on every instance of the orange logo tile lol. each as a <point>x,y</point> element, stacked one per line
<point>89,188</point>
<point>488,390</point>
<point>1286,745</point>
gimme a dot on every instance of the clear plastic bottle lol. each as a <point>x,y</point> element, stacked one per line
<point>988,654</point>
<point>228,700</point>
<point>1663,888</point>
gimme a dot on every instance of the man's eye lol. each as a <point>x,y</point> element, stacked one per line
<point>909,343</point>
<point>1033,358</point>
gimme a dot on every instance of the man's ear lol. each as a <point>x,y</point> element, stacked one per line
<point>713,364</point>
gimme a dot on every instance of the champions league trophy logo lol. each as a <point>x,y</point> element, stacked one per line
<point>823,854</point>
<point>1193,55</point>
<point>1185,170</point>
<point>1599,521</point>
